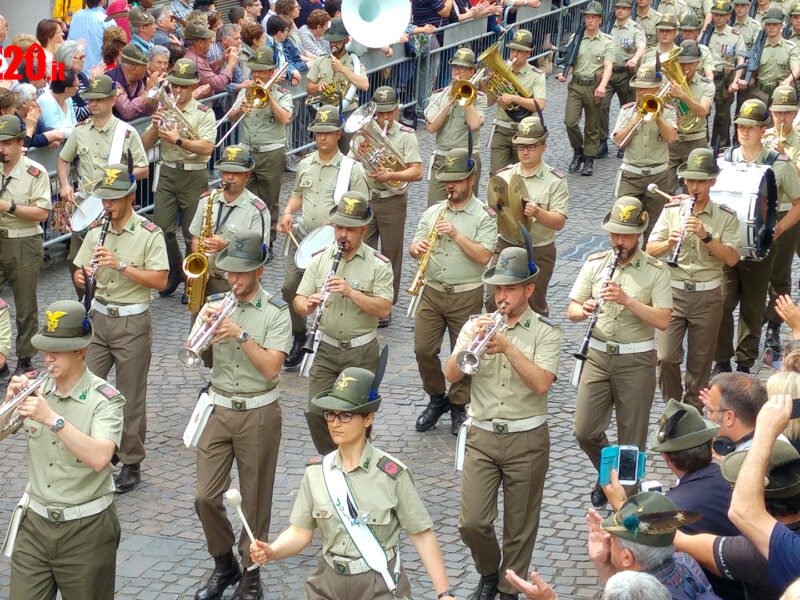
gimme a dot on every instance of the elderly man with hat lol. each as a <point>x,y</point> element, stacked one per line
<point>181,176</point>
<point>507,438</point>
<point>264,134</point>
<point>387,202</point>
<point>249,348</point>
<point>465,231</point>
<point>24,205</point>
<point>746,283</point>
<point>68,532</point>
<point>129,75</point>
<point>197,37</point>
<point>544,207</point>
<point>446,119</point>
<point>513,107</point>
<point>143,28</point>
<point>350,298</point>
<point>131,261</point>
<point>591,73</point>
<point>726,45</point>
<point>619,369</point>
<point>709,241</point>
<point>322,179</point>
<point>689,28</point>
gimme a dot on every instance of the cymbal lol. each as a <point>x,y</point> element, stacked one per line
<point>506,200</point>
<point>516,192</point>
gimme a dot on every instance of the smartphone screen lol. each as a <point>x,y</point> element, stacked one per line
<point>628,460</point>
<point>796,408</point>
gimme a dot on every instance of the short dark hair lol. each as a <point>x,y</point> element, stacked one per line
<point>276,24</point>
<point>202,5</point>
<point>235,14</point>
<point>59,86</point>
<point>92,3</point>
<point>741,393</point>
<point>8,99</point>
<point>691,459</point>
<point>333,6</point>
<point>176,52</point>
<point>284,7</point>
<point>251,32</point>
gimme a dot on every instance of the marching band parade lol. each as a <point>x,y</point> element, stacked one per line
<point>684,288</point>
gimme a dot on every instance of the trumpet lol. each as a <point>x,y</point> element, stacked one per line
<point>197,343</point>
<point>10,421</point>
<point>462,92</point>
<point>469,359</point>
<point>772,139</point>
<point>418,282</point>
<point>172,115</point>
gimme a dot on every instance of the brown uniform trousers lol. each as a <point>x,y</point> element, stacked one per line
<point>580,99</point>
<point>389,224</point>
<point>518,462</point>
<point>723,100</point>
<point>20,266</point>
<point>265,182</point>
<point>329,361</point>
<point>291,281</point>
<point>125,343</point>
<point>625,382</point>
<point>545,259</point>
<point>436,189</point>
<point>679,153</point>
<point>439,312</point>
<point>77,557</point>
<point>326,584</point>
<point>699,315</point>
<point>619,84</point>
<point>631,184</point>
<point>251,437</point>
<point>780,282</point>
<point>502,151</point>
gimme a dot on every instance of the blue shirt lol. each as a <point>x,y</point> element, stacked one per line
<point>215,53</point>
<point>423,12</point>
<point>55,118</point>
<point>142,44</point>
<point>705,491</point>
<point>784,556</point>
<point>89,24</point>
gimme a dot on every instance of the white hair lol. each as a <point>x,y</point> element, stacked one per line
<point>633,585</point>
<point>157,51</point>
<point>66,52</point>
<point>648,557</point>
<point>25,93</point>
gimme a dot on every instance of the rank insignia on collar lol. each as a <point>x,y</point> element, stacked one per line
<point>528,323</point>
<point>82,396</point>
<point>258,303</point>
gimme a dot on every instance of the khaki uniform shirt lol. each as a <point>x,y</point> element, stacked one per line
<point>673,7</point>
<point>748,31</point>
<point>246,213</point>
<point>321,70</point>
<point>385,501</point>
<point>261,128</point>
<point>646,147</point>
<point>791,145</point>
<point>643,278</point>
<point>202,119</point>
<point>650,56</point>
<point>266,320</point>
<point>699,8</point>
<point>649,23</point>
<point>55,476</point>
<point>140,244</point>
<point>725,47</point>
<point>315,184</point>
<point>627,39</point>
<point>366,271</point>
<point>786,175</point>
<point>27,185</point>
<point>794,37</point>
<point>695,261</point>
<point>497,391</point>
<point>448,264</point>
<point>533,80</point>
<point>701,89</point>
<point>453,134</point>
<point>405,142</point>
<point>706,60</point>
<point>784,5</point>
<point>759,16</point>
<point>776,61</point>
<point>593,54</point>
<point>548,188</point>
<point>5,328</point>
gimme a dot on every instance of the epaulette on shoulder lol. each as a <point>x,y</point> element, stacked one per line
<point>547,321</point>
<point>317,460</point>
<point>655,262</point>
<point>202,107</point>
<point>558,174</point>
<point>84,122</point>
<point>205,194</point>
<point>706,79</point>
<point>382,257</point>
<point>390,466</point>
<point>673,204</point>
<point>628,105</point>
<point>481,93</point>
<point>94,224</point>
<point>149,226</point>
<point>536,69</point>
<point>728,209</point>
<point>282,90</point>
<point>669,105</point>
<point>34,171</point>
<point>108,390</point>
<point>783,157</point>
<point>215,297</point>
<point>637,26</point>
<point>278,302</point>
<point>504,168</point>
<point>407,129</point>
<point>489,210</point>
<point>736,31</point>
<point>259,204</point>
<point>3,305</point>
<point>598,255</point>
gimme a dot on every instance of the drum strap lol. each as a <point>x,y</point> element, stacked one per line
<point>769,160</point>
<point>343,179</point>
<point>117,142</point>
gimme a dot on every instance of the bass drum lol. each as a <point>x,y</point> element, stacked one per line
<point>91,209</point>
<point>317,239</point>
<point>751,190</point>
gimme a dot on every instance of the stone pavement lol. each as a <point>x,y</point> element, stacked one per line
<point>163,555</point>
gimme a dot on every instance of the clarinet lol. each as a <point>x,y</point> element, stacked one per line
<point>584,348</point>
<point>308,347</point>
<point>673,262</point>
<point>100,242</point>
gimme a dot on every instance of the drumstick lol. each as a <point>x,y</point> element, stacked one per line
<point>294,239</point>
<point>653,189</point>
<point>78,206</point>
<point>234,498</point>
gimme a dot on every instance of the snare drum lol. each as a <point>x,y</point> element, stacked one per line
<point>91,209</point>
<point>751,190</point>
<point>317,239</point>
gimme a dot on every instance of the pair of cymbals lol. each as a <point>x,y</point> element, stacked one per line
<point>506,200</point>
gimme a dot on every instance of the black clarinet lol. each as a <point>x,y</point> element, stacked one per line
<point>89,289</point>
<point>584,348</point>
<point>308,346</point>
<point>673,262</point>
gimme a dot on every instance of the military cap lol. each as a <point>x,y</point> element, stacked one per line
<point>668,21</point>
<point>721,7</point>
<point>773,15</point>
<point>623,4</point>
<point>11,128</point>
<point>66,328</point>
<point>464,57</point>
<point>336,32</point>
<point>648,518</point>
<point>783,470</point>
<point>512,268</point>
<point>700,165</point>
<point>196,30</point>
<point>353,210</point>
<point>385,98</point>
<point>245,253</point>
<point>101,86</point>
<point>753,112</point>
<point>184,72</point>
<point>784,99</point>
<point>522,40</point>
<point>690,21</point>
<point>690,52</point>
<point>139,17</point>
<point>795,9</point>
<point>133,55</point>
<point>593,8</point>
<point>263,59</point>
<point>117,182</point>
<point>327,119</point>
<point>681,427</point>
<point>626,216</point>
<point>235,159</point>
<point>530,131</point>
<point>350,393</point>
<point>735,2</point>
<point>646,77</point>
<point>458,165</point>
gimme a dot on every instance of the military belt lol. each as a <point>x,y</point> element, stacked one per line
<point>590,81</point>
<point>764,87</point>
<point>5,232</point>
<point>696,286</point>
<point>454,288</point>
<point>355,342</point>
<point>57,514</point>
<point>119,310</point>
<point>506,124</point>
<point>243,401</point>
<point>510,426</point>
<point>615,348</point>
<point>265,147</point>
<point>349,566</point>
<point>692,135</point>
<point>645,170</point>
<point>185,166</point>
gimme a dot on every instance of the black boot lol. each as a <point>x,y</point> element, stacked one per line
<point>487,588</point>
<point>577,161</point>
<point>774,337</point>
<point>602,149</point>
<point>173,281</point>
<point>226,572</point>
<point>598,496</point>
<point>296,353</point>
<point>128,478</point>
<point>249,586</point>
<point>721,367</point>
<point>23,366</point>
<point>742,368</point>
<point>435,409</point>
<point>458,414</point>
<point>4,371</point>
<point>587,167</point>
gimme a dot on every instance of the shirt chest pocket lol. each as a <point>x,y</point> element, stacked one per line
<point>634,290</point>
<point>305,184</point>
<point>377,517</point>
<point>361,282</point>
<point>32,429</point>
<point>132,256</point>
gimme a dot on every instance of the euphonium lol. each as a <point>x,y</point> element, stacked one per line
<point>195,266</point>
<point>469,359</point>
<point>172,115</point>
<point>10,421</point>
<point>502,80</point>
<point>417,283</point>
<point>197,343</point>
<point>371,146</point>
<point>687,120</point>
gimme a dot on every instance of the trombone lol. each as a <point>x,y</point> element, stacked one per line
<point>649,107</point>
<point>462,92</point>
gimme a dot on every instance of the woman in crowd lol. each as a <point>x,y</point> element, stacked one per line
<point>36,134</point>
<point>56,103</point>
<point>311,33</point>
<point>50,36</point>
<point>787,381</point>
<point>73,56</point>
<point>289,10</point>
<point>114,41</point>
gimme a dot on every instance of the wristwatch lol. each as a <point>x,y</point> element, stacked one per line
<point>58,424</point>
<point>122,266</point>
<point>243,338</point>
<point>446,593</point>
<point>179,141</point>
<point>13,208</point>
<point>708,238</point>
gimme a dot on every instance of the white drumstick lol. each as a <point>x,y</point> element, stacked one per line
<point>234,498</point>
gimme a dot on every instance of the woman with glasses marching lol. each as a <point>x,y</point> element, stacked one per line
<point>359,497</point>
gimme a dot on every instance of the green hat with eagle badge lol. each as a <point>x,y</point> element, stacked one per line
<point>355,390</point>
<point>626,216</point>
<point>67,328</point>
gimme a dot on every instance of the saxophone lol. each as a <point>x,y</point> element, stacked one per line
<point>195,266</point>
<point>418,282</point>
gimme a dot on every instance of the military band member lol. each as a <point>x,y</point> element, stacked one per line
<point>546,205</point>
<point>726,45</point>
<point>676,8</point>
<point>24,204</point>
<point>709,240</point>
<point>629,46</point>
<point>360,294</point>
<point>245,424</point>
<point>690,30</point>
<point>794,22</point>
<point>508,440</point>
<point>378,485</point>
<point>587,88</point>
<point>131,262</point>
<point>453,288</point>
<point>322,177</point>
<point>620,368</point>
<point>648,18</point>
<point>68,537</point>
<point>448,124</point>
<point>646,157</point>
<point>702,10</point>
<point>182,174</point>
<point>263,133</point>
<point>532,80</point>
<point>389,205</point>
<point>762,6</point>
<point>746,283</point>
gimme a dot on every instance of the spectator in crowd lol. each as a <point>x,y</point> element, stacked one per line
<point>157,60</point>
<point>143,28</point>
<point>165,26</point>
<point>8,102</point>
<point>198,15</point>
<point>73,56</point>
<point>49,35</point>
<point>3,35</point>
<point>311,33</point>
<point>118,13</point>
<point>333,8</point>
<point>114,40</point>
<point>180,10</point>
<point>36,134</point>
<point>277,33</point>
<point>238,16</point>
<point>289,10</point>
<point>176,52</point>
<point>306,8</point>
<point>252,9</point>
<point>625,585</point>
<point>23,41</point>
<point>198,41</point>
<point>428,12</point>
<point>130,75</point>
<point>56,103</point>
<point>39,81</point>
<point>214,21</point>
<point>787,381</point>
<point>206,6</point>
<point>253,37</point>
<point>230,36</point>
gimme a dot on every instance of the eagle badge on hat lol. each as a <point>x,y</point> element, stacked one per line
<point>720,4</point>
<point>52,320</point>
<point>451,160</point>
<point>462,54</point>
<point>698,160</point>
<point>784,95</point>
<point>503,262</point>
<point>232,152</point>
<point>111,176</point>
<point>524,128</point>
<point>343,382</point>
<point>182,67</point>
<point>323,115</point>
<point>240,243</point>
<point>351,204</point>
<point>3,125</point>
<point>625,213</point>
<point>383,96</point>
<point>95,83</point>
<point>520,35</point>
<point>748,109</point>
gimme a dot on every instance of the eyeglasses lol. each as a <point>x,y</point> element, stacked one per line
<point>709,412</point>
<point>527,147</point>
<point>330,416</point>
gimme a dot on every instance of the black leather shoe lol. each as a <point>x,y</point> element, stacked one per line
<point>598,496</point>
<point>602,149</point>
<point>577,161</point>
<point>435,409</point>
<point>588,167</point>
<point>226,572</point>
<point>506,596</point>
<point>295,354</point>
<point>175,278</point>
<point>184,299</point>
<point>774,337</point>
<point>721,367</point>
<point>458,414</point>
<point>742,369</point>
<point>4,372</point>
<point>23,366</point>
<point>620,152</point>
<point>487,588</point>
<point>249,586</point>
<point>128,478</point>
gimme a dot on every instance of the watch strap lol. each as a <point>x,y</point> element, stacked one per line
<point>446,593</point>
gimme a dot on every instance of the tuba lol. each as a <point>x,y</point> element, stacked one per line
<point>687,120</point>
<point>201,339</point>
<point>469,359</point>
<point>376,23</point>
<point>371,146</point>
<point>502,80</point>
<point>10,421</point>
<point>418,282</point>
<point>195,266</point>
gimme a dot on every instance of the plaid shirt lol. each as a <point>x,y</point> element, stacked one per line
<point>214,54</point>
<point>179,11</point>
<point>676,570</point>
